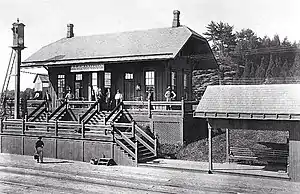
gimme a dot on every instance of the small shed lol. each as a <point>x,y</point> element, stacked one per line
<point>255,107</point>
<point>41,82</point>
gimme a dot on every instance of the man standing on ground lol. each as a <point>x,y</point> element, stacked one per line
<point>39,149</point>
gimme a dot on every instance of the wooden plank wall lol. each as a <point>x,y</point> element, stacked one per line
<point>294,155</point>
<point>64,148</point>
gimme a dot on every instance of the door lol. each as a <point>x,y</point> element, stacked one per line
<point>129,87</point>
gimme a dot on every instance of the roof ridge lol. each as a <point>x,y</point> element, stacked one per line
<point>129,31</point>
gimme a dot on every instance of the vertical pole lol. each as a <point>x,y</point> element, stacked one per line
<point>23,126</point>
<point>136,153</point>
<point>182,107</point>
<point>17,84</point>
<point>82,129</point>
<point>209,149</point>
<point>1,126</point>
<point>149,108</point>
<point>227,145</point>
<point>56,134</point>
<point>56,128</point>
<point>133,129</point>
<point>155,144</point>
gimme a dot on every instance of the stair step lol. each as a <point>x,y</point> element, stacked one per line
<point>146,159</point>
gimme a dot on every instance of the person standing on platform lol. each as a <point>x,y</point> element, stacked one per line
<point>48,100</point>
<point>100,98</point>
<point>39,145</point>
<point>169,95</point>
<point>108,99</point>
<point>118,97</point>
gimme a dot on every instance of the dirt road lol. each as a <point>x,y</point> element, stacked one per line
<point>77,177</point>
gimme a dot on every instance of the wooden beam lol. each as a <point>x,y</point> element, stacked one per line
<point>210,164</point>
<point>227,145</point>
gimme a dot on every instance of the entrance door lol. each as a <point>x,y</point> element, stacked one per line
<point>128,87</point>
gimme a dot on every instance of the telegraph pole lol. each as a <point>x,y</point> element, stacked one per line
<point>18,46</point>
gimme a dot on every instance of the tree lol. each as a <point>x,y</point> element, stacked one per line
<point>222,37</point>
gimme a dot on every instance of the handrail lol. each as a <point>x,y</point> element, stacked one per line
<point>39,114</point>
<point>88,111</point>
<point>89,117</point>
<point>35,110</point>
<point>125,138</point>
<point>137,128</point>
<point>57,109</point>
<point>72,114</point>
<point>112,112</point>
<point>80,102</point>
<point>145,144</point>
<point>125,148</point>
<point>116,116</point>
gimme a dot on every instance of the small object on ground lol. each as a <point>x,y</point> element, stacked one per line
<point>106,161</point>
<point>94,161</point>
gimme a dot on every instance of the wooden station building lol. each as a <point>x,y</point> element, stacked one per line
<point>133,62</point>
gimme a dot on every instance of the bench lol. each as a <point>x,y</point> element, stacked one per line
<point>258,155</point>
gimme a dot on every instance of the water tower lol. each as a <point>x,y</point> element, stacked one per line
<point>18,46</point>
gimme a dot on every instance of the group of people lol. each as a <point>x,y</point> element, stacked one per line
<point>104,98</point>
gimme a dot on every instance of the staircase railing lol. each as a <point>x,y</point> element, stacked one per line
<point>37,109</point>
<point>133,152</point>
<point>82,117</point>
<point>117,108</point>
<point>151,143</point>
<point>57,110</point>
<point>39,114</point>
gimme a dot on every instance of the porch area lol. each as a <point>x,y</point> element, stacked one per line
<point>80,130</point>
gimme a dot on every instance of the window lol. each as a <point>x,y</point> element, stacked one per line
<point>78,86</point>
<point>95,80</point>
<point>107,80</point>
<point>185,81</point>
<point>149,80</point>
<point>185,85</point>
<point>173,80</point>
<point>128,76</point>
<point>61,86</point>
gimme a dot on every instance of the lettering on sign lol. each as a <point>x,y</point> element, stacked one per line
<point>81,68</point>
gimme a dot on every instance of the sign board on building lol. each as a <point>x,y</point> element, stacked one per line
<point>87,67</point>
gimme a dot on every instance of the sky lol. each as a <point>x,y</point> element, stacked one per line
<point>46,20</point>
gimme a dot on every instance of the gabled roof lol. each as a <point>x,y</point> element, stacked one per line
<point>44,78</point>
<point>278,101</point>
<point>161,43</point>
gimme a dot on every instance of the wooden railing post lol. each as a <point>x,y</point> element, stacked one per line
<point>23,126</point>
<point>155,144</point>
<point>56,128</point>
<point>133,128</point>
<point>82,129</point>
<point>136,153</point>
<point>1,125</point>
<point>149,108</point>
<point>113,132</point>
<point>79,119</point>
<point>182,107</point>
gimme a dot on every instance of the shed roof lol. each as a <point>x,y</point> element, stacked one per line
<point>44,78</point>
<point>278,101</point>
<point>161,43</point>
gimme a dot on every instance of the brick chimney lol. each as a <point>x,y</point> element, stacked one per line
<point>176,22</point>
<point>70,32</point>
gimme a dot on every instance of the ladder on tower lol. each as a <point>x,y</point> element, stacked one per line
<point>6,82</point>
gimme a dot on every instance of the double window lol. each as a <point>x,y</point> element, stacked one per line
<point>128,76</point>
<point>107,80</point>
<point>61,85</point>
<point>150,80</point>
